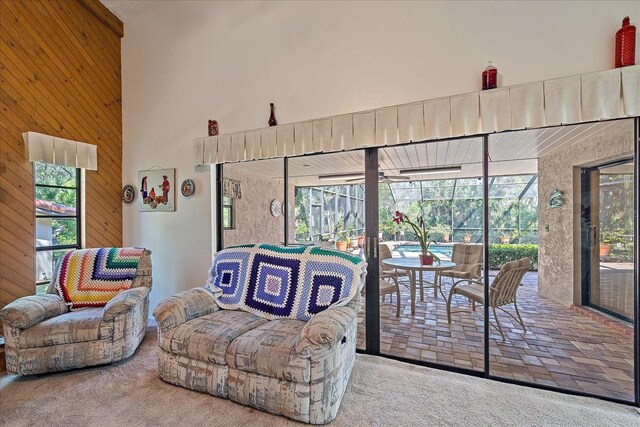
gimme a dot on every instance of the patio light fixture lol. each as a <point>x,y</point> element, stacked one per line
<point>340,176</point>
<point>426,171</point>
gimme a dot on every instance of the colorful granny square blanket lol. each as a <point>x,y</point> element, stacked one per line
<point>284,281</point>
<point>92,277</point>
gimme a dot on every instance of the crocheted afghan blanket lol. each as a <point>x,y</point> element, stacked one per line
<point>284,281</point>
<point>92,277</point>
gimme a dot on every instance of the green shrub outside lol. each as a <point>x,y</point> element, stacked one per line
<point>500,254</point>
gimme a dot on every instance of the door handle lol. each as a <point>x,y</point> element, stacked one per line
<point>375,248</point>
<point>367,247</point>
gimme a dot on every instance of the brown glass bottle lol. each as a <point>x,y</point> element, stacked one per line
<point>272,117</point>
<point>213,127</point>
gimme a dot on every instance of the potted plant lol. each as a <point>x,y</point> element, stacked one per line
<point>467,237</point>
<point>353,242</point>
<point>343,232</point>
<point>444,231</point>
<point>348,240</point>
<point>340,237</point>
<point>505,238</point>
<point>606,244</point>
<point>422,234</point>
<point>605,249</point>
<point>343,243</point>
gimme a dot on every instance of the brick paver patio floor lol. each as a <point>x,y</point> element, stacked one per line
<point>560,348</point>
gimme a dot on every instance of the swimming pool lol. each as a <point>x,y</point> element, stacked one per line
<point>445,250</point>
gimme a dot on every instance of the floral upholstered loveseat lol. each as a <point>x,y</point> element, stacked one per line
<point>43,335</point>
<point>274,328</point>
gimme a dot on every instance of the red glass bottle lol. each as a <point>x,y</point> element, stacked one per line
<point>490,77</point>
<point>272,117</point>
<point>626,44</point>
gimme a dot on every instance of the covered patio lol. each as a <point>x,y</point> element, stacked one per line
<point>563,347</point>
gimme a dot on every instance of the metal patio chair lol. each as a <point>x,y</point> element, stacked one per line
<point>502,291</point>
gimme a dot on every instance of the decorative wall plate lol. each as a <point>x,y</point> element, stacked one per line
<point>128,194</point>
<point>276,208</point>
<point>188,187</point>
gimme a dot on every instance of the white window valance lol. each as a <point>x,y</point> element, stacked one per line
<point>60,151</point>
<point>604,95</point>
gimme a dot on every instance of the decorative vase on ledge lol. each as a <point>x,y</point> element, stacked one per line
<point>213,127</point>
<point>490,77</point>
<point>272,117</point>
<point>426,259</point>
<point>626,44</point>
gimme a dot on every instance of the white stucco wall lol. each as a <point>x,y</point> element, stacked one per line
<point>186,62</point>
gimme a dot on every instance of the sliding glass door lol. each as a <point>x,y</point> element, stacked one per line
<point>609,246</point>
<point>561,311</point>
<point>438,185</point>
<point>532,268</point>
<point>327,207</point>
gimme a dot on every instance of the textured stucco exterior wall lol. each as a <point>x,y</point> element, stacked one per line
<point>254,222</point>
<point>559,246</point>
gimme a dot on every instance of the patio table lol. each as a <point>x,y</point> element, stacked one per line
<point>413,265</point>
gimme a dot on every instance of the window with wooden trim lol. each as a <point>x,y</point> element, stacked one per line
<point>58,224</point>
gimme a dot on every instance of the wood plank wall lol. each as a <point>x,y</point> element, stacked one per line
<point>59,75</point>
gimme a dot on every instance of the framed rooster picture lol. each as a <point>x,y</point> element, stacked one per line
<point>157,190</point>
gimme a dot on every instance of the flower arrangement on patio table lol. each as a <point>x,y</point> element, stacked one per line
<point>422,234</point>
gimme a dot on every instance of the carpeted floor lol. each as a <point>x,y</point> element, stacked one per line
<point>382,392</point>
